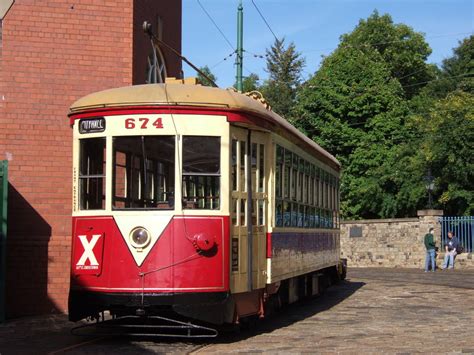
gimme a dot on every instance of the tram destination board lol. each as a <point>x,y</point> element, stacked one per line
<point>92,125</point>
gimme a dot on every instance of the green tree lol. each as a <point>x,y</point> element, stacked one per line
<point>355,110</point>
<point>250,83</point>
<point>447,148</point>
<point>404,50</point>
<point>457,72</point>
<point>202,79</point>
<point>284,66</point>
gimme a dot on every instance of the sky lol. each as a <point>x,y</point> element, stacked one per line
<point>314,26</point>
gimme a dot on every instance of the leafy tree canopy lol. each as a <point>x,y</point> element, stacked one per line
<point>404,50</point>
<point>250,83</point>
<point>202,79</point>
<point>447,149</point>
<point>284,66</point>
<point>457,72</point>
<point>354,109</point>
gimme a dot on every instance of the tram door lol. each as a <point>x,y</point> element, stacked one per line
<point>249,169</point>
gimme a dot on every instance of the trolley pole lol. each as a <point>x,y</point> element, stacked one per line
<point>240,43</point>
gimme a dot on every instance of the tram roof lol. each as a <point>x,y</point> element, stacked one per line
<point>188,95</point>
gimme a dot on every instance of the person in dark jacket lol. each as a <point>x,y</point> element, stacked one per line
<point>450,248</point>
<point>430,251</point>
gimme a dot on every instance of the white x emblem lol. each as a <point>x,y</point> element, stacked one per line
<point>88,253</point>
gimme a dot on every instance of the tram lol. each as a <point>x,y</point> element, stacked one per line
<point>197,201</point>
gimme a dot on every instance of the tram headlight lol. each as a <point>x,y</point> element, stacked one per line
<point>140,237</point>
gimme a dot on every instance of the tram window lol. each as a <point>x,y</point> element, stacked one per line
<point>312,218</point>
<point>254,165</point>
<point>92,174</point>
<point>306,216</point>
<point>278,181</point>
<point>143,172</point>
<point>317,218</point>
<point>300,216</point>
<point>243,149</point>
<point>279,171</point>
<point>279,214</point>
<point>294,180</point>
<point>261,213</point>
<point>317,189</point>
<point>201,172</point>
<point>234,165</point>
<point>326,190</point>
<point>300,186</point>
<point>287,183</point>
<point>261,168</point>
<point>287,177</point>
<point>294,215</point>
<point>280,152</point>
<point>286,214</point>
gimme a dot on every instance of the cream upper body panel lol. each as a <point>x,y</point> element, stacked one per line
<point>189,95</point>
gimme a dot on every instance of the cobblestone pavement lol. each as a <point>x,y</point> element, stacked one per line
<point>374,311</point>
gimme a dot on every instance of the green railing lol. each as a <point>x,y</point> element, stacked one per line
<point>3,233</point>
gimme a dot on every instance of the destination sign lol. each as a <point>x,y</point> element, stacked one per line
<point>92,125</point>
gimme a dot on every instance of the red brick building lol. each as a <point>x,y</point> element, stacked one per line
<point>52,53</point>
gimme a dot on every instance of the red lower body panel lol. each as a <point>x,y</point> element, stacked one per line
<point>185,271</point>
<point>103,262</point>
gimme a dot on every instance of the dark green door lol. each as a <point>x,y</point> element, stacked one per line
<point>3,233</point>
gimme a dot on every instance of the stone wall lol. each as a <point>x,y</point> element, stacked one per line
<point>394,242</point>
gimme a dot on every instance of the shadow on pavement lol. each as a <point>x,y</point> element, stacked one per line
<point>295,312</point>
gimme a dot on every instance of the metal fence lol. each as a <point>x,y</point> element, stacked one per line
<point>463,229</point>
<point>3,233</point>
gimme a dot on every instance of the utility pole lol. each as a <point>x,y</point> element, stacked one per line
<point>240,44</point>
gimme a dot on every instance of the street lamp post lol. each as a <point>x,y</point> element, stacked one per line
<point>430,187</point>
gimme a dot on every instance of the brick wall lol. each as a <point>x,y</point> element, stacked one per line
<point>394,242</point>
<point>52,53</point>
<point>170,18</point>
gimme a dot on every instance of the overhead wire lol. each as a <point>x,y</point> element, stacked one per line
<point>215,24</point>
<point>308,75</point>
<point>385,42</point>
<point>257,55</point>
<point>264,20</point>
<point>223,60</point>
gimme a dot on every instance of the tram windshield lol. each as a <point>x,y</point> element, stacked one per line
<point>92,174</point>
<point>201,172</point>
<point>143,172</point>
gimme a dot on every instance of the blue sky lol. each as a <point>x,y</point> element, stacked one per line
<point>313,25</point>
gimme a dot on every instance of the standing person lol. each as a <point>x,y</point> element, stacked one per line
<point>430,251</point>
<point>450,248</point>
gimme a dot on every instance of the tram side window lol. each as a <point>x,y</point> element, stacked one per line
<point>92,174</point>
<point>201,172</point>
<point>143,172</point>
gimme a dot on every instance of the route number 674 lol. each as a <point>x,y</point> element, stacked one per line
<point>143,123</point>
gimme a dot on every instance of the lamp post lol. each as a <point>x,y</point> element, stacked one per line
<point>430,187</point>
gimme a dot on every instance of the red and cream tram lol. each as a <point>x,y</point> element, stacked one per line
<point>199,201</point>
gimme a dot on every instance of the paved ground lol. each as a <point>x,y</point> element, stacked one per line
<point>374,311</point>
